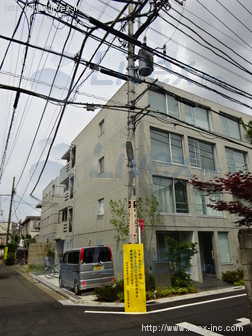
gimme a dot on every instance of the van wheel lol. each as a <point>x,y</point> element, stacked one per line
<point>61,283</point>
<point>76,288</point>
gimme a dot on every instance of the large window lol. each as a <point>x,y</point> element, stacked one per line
<point>166,147</point>
<point>163,103</point>
<point>224,247</point>
<point>235,160</point>
<point>230,127</point>
<point>171,194</point>
<point>197,116</point>
<point>201,154</point>
<point>201,201</point>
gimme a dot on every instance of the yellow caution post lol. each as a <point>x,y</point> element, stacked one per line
<point>134,278</point>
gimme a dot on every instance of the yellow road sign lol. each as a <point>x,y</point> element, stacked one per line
<point>134,278</point>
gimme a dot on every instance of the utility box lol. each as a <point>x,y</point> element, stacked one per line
<point>161,271</point>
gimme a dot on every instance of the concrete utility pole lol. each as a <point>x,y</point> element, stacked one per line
<point>10,210</point>
<point>130,145</point>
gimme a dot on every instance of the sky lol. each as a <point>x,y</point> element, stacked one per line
<point>212,37</point>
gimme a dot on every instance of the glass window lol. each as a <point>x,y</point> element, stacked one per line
<point>201,201</point>
<point>73,257</point>
<point>101,127</point>
<point>163,103</point>
<point>235,160</point>
<point>100,210</point>
<point>201,154</point>
<point>64,215</point>
<point>173,109</point>
<point>171,194</point>
<point>230,127</point>
<point>157,101</point>
<point>104,255</point>
<point>101,165</point>
<point>224,247</point>
<point>197,116</point>
<point>88,257</point>
<point>166,147</point>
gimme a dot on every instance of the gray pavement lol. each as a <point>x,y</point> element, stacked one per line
<point>87,298</point>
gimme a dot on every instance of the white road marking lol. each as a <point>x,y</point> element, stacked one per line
<point>165,309</point>
<point>242,322</point>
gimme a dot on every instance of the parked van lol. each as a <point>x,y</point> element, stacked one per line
<point>86,267</point>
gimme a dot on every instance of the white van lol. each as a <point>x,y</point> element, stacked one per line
<point>86,267</point>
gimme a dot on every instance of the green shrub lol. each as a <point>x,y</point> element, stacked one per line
<point>181,279</point>
<point>10,260</point>
<point>119,286</point>
<point>106,294</point>
<point>233,276</point>
<point>34,268</point>
<point>239,283</point>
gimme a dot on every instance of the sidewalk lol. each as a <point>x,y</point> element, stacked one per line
<point>87,298</point>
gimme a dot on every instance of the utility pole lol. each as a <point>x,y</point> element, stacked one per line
<point>10,210</point>
<point>130,145</point>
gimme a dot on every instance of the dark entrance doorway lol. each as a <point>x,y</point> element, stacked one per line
<point>207,254</point>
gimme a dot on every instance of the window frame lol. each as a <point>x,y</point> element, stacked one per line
<point>101,126</point>
<point>100,209</point>
<point>173,201</point>
<point>101,165</point>
<point>197,152</point>
<point>204,203</point>
<point>165,98</point>
<point>223,259</point>
<point>171,149</point>
<point>233,151</point>
<point>195,119</point>
<point>226,121</point>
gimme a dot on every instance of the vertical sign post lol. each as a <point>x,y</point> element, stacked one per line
<point>132,213</point>
<point>134,278</point>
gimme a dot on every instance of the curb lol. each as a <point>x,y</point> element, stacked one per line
<point>90,299</point>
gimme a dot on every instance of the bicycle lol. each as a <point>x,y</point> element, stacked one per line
<point>50,271</point>
<point>22,261</point>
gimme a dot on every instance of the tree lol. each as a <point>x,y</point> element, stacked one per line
<point>239,185</point>
<point>119,218</point>
<point>248,131</point>
<point>147,208</point>
<point>179,254</point>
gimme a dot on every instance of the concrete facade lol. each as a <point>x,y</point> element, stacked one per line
<point>192,136</point>
<point>30,226</point>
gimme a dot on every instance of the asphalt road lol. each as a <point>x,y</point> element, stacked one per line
<point>28,308</point>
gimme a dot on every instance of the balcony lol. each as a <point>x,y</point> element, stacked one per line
<point>65,172</point>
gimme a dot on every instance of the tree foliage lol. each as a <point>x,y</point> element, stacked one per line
<point>180,254</point>
<point>239,185</point>
<point>248,130</point>
<point>119,218</point>
<point>147,209</point>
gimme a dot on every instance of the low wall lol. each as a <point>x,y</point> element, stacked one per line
<point>37,253</point>
<point>245,242</point>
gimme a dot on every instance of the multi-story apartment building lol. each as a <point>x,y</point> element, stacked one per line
<point>30,226</point>
<point>177,135</point>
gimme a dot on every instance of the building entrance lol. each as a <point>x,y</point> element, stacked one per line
<point>207,254</point>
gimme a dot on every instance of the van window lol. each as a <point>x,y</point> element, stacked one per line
<point>65,257</point>
<point>104,254</point>
<point>96,254</point>
<point>88,255</point>
<point>73,257</point>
